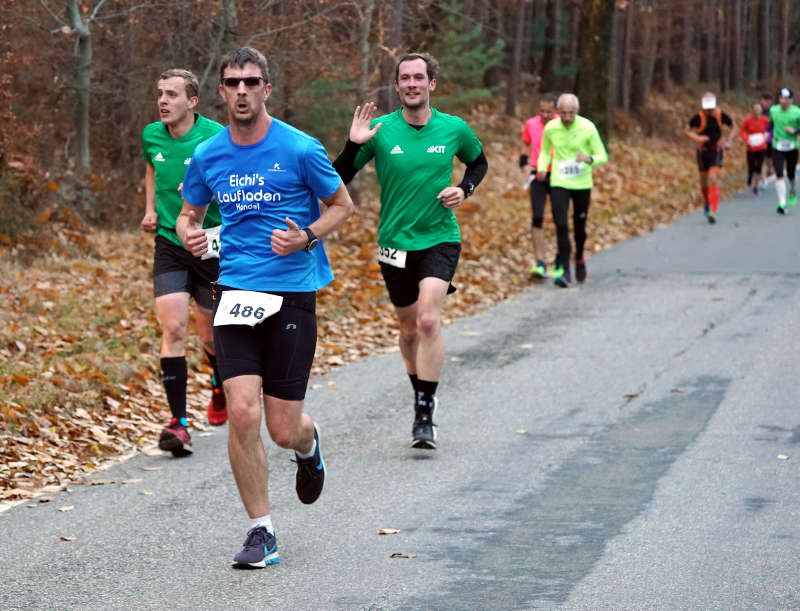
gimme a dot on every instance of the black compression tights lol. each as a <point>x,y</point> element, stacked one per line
<point>560,198</point>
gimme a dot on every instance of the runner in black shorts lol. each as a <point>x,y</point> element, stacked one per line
<point>438,261</point>
<point>268,178</point>
<point>167,146</point>
<point>539,189</point>
<point>705,128</point>
<point>418,234</point>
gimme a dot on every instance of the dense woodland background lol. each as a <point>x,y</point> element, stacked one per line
<point>78,76</point>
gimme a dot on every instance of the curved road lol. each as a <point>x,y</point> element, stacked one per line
<point>633,443</point>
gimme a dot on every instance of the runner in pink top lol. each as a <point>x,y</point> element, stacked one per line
<point>532,141</point>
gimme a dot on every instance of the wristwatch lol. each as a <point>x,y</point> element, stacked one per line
<point>313,240</point>
<point>468,188</point>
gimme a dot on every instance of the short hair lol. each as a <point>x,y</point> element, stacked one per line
<point>431,65</point>
<point>569,97</point>
<point>766,95</point>
<point>242,56</point>
<point>189,80</point>
<point>548,97</point>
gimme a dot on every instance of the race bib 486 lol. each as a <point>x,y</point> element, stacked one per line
<point>246,308</point>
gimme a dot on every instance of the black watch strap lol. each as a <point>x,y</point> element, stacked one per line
<point>311,243</point>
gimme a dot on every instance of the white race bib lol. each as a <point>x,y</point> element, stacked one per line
<point>755,139</point>
<point>392,256</point>
<point>786,145</point>
<point>570,168</point>
<point>212,234</point>
<point>246,308</point>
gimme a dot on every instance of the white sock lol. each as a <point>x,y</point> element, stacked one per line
<point>780,189</point>
<point>310,453</point>
<point>265,521</point>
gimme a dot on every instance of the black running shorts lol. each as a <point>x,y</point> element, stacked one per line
<point>539,191</point>
<point>280,349</point>
<point>176,270</point>
<point>438,261</point>
<point>707,159</point>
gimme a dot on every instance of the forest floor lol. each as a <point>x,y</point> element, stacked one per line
<point>79,380</point>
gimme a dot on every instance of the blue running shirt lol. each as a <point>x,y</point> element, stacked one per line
<point>257,186</point>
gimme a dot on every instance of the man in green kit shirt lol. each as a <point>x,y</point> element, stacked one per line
<point>419,241</point>
<point>576,148</point>
<point>167,147</point>
<point>785,120</point>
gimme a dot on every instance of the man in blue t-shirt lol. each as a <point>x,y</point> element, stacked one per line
<point>267,177</point>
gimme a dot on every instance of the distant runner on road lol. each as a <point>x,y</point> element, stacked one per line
<point>705,128</point>
<point>538,189</point>
<point>755,133</point>
<point>785,119</point>
<point>576,148</point>
<point>268,178</point>
<point>419,241</point>
<point>167,147</point>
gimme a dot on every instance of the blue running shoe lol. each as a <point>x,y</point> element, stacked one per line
<point>260,550</point>
<point>310,474</point>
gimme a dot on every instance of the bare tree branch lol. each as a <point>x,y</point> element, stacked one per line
<point>52,14</point>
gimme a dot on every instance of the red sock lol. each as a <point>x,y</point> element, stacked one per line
<point>705,193</point>
<point>713,198</point>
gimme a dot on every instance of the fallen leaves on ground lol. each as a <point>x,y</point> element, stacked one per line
<point>79,378</point>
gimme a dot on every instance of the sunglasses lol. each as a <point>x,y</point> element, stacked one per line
<point>232,82</point>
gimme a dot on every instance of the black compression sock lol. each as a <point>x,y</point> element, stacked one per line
<point>425,393</point>
<point>173,375</point>
<point>216,381</point>
<point>414,379</point>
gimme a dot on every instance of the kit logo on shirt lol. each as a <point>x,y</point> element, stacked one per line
<point>396,150</point>
<point>276,168</point>
<point>159,157</point>
<point>436,148</point>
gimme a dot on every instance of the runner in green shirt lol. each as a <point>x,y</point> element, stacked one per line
<point>167,147</point>
<point>418,237</point>
<point>576,148</point>
<point>785,120</point>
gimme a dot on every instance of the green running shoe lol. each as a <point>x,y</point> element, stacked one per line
<point>792,199</point>
<point>539,269</point>
<point>558,272</point>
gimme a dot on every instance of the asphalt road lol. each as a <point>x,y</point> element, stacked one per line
<point>629,444</point>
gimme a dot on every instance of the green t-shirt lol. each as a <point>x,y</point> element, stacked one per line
<point>781,119</point>
<point>170,157</point>
<point>413,166</point>
<point>581,136</point>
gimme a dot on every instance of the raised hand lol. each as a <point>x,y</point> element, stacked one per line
<point>360,130</point>
<point>286,241</point>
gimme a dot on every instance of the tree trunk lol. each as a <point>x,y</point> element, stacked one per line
<point>550,40</point>
<point>516,61</point>
<point>739,44</point>
<point>364,48</point>
<point>681,69</point>
<point>595,78</point>
<point>784,56</point>
<point>626,63</point>
<point>645,56</point>
<point>84,85</point>
<point>764,48</point>
<point>387,98</point>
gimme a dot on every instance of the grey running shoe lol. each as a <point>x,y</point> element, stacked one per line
<point>423,431</point>
<point>310,474</point>
<point>260,549</point>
